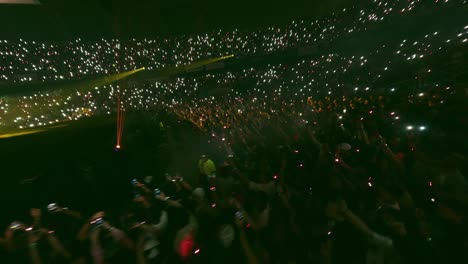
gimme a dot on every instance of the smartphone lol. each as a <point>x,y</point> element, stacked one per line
<point>239,215</point>
<point>99,221</point>
<point>15,225</point>
<point>157,192</point>
<point>52,207</point>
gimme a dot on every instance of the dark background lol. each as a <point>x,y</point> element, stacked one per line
<point>59,19</point>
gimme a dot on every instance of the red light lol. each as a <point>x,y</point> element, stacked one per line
<point>197,251</point>
<point>212,188</point>
<point>275,177</point>
<point>186,246</point>
<point>247,225</point>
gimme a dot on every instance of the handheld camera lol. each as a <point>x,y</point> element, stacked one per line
<point>98,221</point>
<point>134,182</point>
<point>53,207</point>
<point>239,215</point>
<point>157,192</point>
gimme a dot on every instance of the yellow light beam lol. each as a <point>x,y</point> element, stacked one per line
<point>28,132</point>
<point>206,62</point>
<point>115,77</point>
<point>17,134</point>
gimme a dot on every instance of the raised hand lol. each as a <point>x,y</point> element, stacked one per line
<point>97,215</point>
<point>35,212</point>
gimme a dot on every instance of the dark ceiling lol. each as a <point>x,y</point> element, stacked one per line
<point>58,19</point>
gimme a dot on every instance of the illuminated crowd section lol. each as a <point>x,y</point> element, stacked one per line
<point>334,79</point>
<point>74,59</point>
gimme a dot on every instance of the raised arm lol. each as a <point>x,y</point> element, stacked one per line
<point>245,245</point>
<point>56,244</point>
<point>97,252</point>
<point>389,154</point>
<point>119,236</point>
<point>32,248</point>
<point>364,228</point>
<point>362,133</point>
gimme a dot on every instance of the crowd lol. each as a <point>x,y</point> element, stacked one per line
<point>330,158</point>
<point>408,65</point>
<point>325,187</point>
<point>33,61</point>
